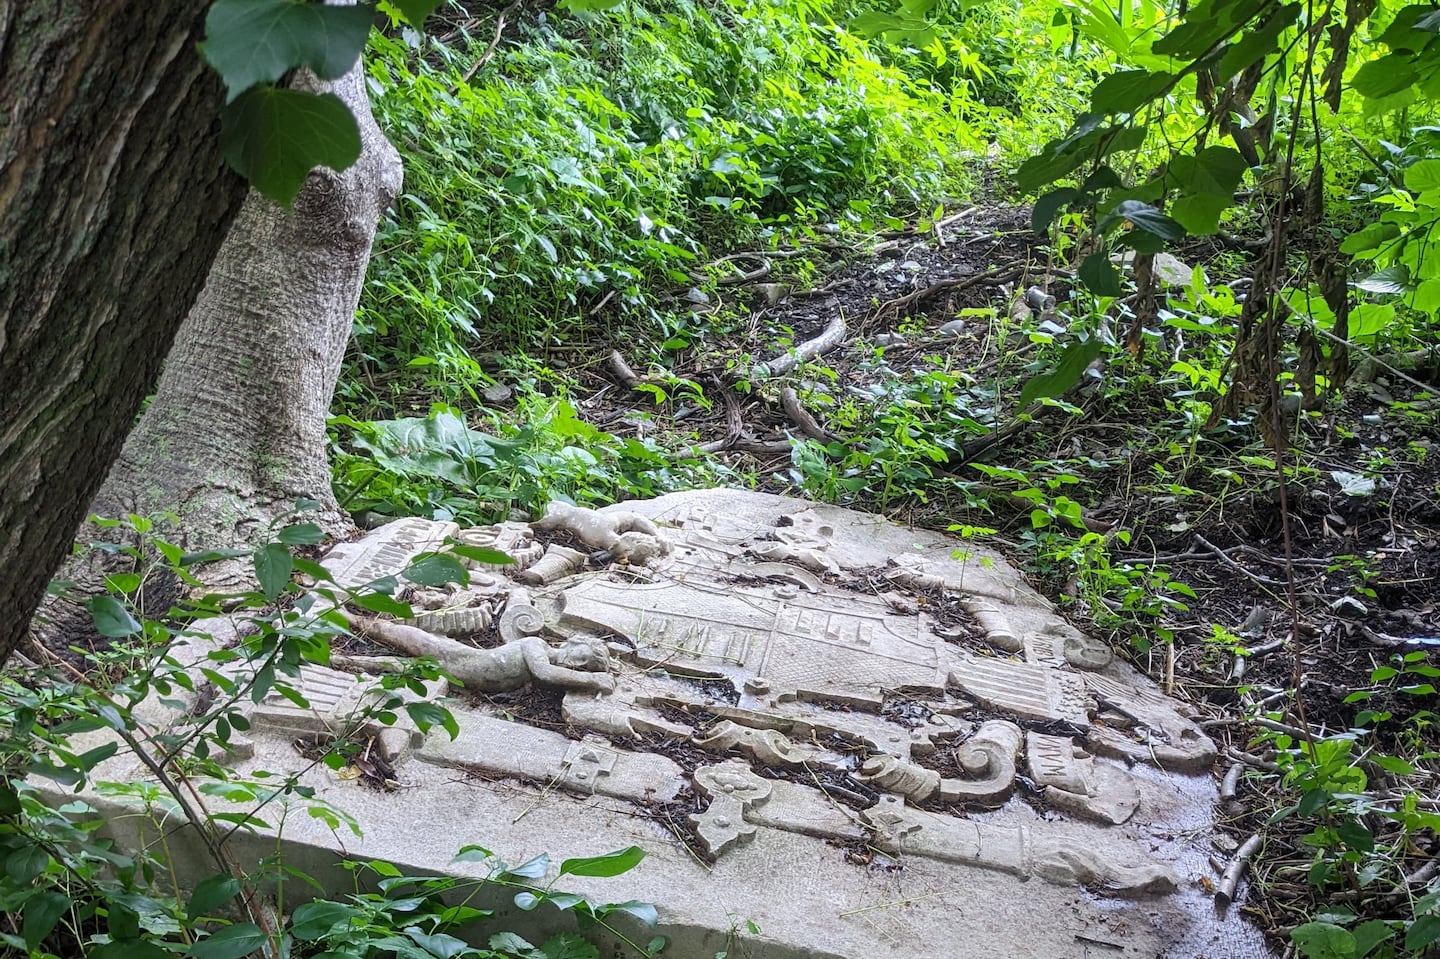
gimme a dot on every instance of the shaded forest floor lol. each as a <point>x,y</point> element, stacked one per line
<point>1147,524</point>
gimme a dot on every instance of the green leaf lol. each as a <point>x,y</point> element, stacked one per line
<point>25,863</point>
<point>872,23</point>
<point>1323,940</point>
<point>9,798</point>
<point>481,554</point>
<point>437,944</point>
<point>314,919</point>
<point>212,893</point>
<point>568,945</point>
<point>1126,90</point>
<point>1214,169</point>
<point>274,137</point>
<point>1426,298</point>
<point>1354,834</point>
<point>510,942</point>
<point>1099,275</point>
<point>1370,934</point>
<point>1373,239</point>
<point>300,534</point>
<point>380,603</point>
<point>1424,932</point>
<point>1067,373</point>
<point>1199,213</point>
<point>531,869</point>
<point>273,566</point>
<point>1142,216</point>
<point>1048,206</point>
<point>231,942</point>
<point>1422,176</point>
<point>122,582</point>
<point>111,618</point>
<point>1387,75</point>
<point>610,864</point>
<point>588,6</point>
<point>128,949</point>
<point>436,569</point>
<point>417,11</point>
<point>42,910</point>
<point>426,715</point>
<point>1394,279</point>
<point>1257,41</point>
<point>1086,142</point>
<point>259,41</point>
<point>643,911</point>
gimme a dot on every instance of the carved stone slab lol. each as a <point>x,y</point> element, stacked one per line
<point>794,642</point>
<point>541,756</point>
<point>756,691</point>
<point>385,551</point>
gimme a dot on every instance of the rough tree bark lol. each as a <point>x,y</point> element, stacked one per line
<point>113,201</point>
<point>236,432</point>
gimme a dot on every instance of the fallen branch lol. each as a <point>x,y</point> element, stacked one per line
<point>1225,889</point>
<point>950,220</point>
<point>1225,559</point>
<point>1231,783</point>
<point>801,417</point>
<point>830,338</point>
<point>624,375</point>
<point>494,43</point>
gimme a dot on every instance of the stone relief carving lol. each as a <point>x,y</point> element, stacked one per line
<point>739,633</point>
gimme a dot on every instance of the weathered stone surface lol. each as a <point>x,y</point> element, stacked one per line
<point>386,551</point>
<point>794,653</point>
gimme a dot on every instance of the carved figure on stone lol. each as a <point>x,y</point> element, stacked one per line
<point>580,662</point>
<point>1017,850</point>
<point>627,537</point>
<point>769,747</point>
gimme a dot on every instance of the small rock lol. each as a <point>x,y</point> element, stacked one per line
<point>697,296</point>
<point>911,266</point>
<point>772,293</point>
<point>953,328</point>
<point>889,339</point>
<point>1348,606</point>
<point>1171,271</point>
<point>497,393</point>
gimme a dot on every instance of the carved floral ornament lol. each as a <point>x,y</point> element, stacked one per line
<point>637,615</point>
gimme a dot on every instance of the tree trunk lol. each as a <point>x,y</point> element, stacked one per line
<point>236,432</point>
<point>113,201</point>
